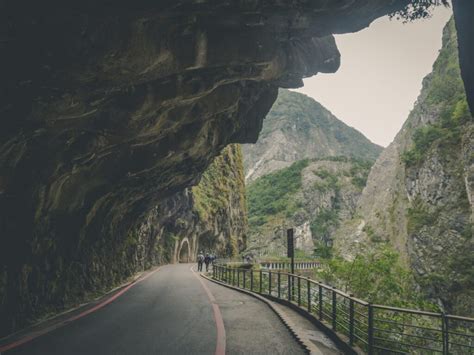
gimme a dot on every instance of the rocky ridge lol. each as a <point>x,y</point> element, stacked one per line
<point>297,127</point>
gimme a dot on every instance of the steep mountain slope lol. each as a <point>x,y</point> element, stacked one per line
<point>419,192</point>
<point>312,195</point>
<point>297,127</point>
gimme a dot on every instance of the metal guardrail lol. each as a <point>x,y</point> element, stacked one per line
<point>275,265</point>
<point>299,265</point>
<point>375,329</point>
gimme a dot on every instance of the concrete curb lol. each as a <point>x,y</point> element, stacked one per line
<point>307,344</point>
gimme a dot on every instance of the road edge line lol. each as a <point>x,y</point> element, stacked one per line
<point>221,336</point>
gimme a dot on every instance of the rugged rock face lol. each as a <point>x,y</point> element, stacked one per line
<point>419,192</point>
<point>297,127</point>
<point>210,216</point>
<point>109,108</point>
<point>312,196</point>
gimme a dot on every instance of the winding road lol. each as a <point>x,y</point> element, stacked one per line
<point>173,311</point>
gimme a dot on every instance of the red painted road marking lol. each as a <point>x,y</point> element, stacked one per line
<point>38,333</point>
<point>220,345</point>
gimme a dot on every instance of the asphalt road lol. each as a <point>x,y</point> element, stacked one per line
<point>171,312</point>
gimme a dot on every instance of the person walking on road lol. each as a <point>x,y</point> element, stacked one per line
<point>200,260</point>
<point>207,260</point>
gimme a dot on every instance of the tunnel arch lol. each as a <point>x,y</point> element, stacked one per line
<point>184,251</point>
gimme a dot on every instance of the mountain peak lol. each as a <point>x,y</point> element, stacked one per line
<point>298,127</point>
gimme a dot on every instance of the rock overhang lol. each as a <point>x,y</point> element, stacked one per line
<point>109,107</point>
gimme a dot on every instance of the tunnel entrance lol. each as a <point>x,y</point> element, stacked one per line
<point>184,252</point>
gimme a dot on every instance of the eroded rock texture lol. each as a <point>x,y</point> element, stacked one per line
<point>110,107</point>
<point>209,217</point>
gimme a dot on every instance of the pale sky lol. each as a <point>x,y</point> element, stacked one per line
<point>380,77</point>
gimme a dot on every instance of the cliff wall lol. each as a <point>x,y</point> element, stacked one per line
<point>419,192</point>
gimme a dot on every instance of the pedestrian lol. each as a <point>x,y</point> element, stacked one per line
<point>200,259</point>
<point>207,260</point>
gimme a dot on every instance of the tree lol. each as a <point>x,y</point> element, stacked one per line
<point>418,9</point>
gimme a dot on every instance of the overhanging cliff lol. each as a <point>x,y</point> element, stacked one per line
<point>110,108</point>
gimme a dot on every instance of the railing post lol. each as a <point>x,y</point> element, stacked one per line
<point>270,283</point>
<point>334,310</point>
<point>233,276</point>
<point>251,280</point>
<point>245,273</point>
<point>261,274</point>
<point>445,330</point>
<point>289,287</point>
<point>292,287</point>
<point>308,290</point>
<point>238,277</point>
<point>370,330</point>
<point>320,299</point>
<point>351,321</point>
<point>279,284</point>
<point>299,291</point>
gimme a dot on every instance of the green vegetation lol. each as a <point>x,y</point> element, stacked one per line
<point>222,178</point>
<point>439,222</point>
<point>360,172</point>
<point>374,238</point>
<point>272,194</point>
<point>279,198</point>
<point>378,277</point>
<point>323,251</point>
<point>423,138</point>
<point>329,181</point>
<point>464,265</point>
<point>445,93</point>
<point>419,215</point>
<point>222,188</point>
<point>418,9</point>
<point>323,223</point>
